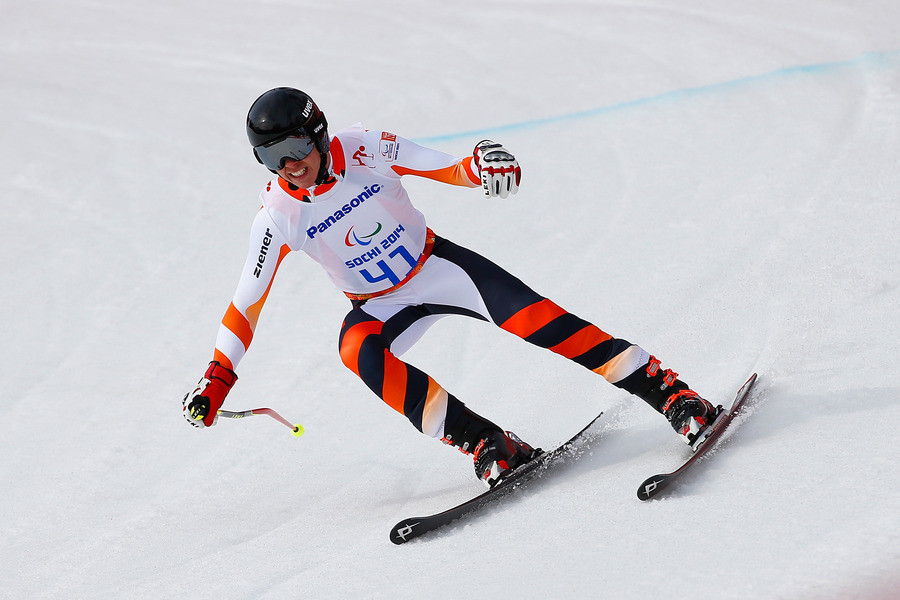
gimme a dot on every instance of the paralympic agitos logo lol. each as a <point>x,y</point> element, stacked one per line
<point>352,239</point>
<point>368,192</point>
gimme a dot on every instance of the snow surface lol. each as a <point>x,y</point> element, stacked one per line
<point>716,181</point>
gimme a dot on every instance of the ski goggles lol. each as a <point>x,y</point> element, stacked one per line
<point>274,154</point>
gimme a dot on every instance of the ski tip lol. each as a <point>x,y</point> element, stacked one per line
<point>651,487</point>
<point>745,390</point>
<point>404,531</point>
<point>751,380</point>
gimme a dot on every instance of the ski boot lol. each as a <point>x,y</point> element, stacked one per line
<point>498,454</point>
<point>495,453</point>
<point>690,415</point>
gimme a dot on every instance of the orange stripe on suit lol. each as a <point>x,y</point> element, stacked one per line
<point>394,391</point>
<point>459,174</point>
<point>243,324</point>
<point>581,342</point>
<point>353,339</point>
<point>531,318</point>
<point>238,324</point>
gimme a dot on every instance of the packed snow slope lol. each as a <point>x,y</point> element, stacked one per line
<point>716,181</point>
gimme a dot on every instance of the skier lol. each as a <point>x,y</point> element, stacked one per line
<point>340,199</point>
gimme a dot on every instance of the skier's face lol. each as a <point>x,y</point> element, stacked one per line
<point>302,173</point>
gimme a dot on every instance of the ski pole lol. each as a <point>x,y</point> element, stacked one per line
<point>296,429</point>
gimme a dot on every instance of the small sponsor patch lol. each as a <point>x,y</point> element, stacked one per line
<point>388,146</point>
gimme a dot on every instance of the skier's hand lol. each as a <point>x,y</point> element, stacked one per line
<point>201,406</point>
<point>499,169</point>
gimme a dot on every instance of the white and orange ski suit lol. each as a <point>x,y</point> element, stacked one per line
<point>376,248</point>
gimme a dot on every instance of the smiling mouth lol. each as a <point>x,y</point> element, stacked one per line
<point>299,173</point>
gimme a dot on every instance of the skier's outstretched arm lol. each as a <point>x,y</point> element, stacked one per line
<point>491,165</point>
<point>267,249</point>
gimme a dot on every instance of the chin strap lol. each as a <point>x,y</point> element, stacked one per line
<point>324,175</point>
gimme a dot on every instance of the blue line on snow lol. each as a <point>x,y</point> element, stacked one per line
<point>873,57</point>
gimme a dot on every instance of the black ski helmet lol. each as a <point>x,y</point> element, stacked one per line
<point>285,111</point>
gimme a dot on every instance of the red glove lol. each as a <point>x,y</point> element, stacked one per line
<point>202,405</point>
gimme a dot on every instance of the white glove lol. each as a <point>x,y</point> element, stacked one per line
<point>500,172</point>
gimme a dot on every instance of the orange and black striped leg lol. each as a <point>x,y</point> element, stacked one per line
<point>517,308</point>
<point>545,324</point>
<point>623,364</point>
<point>365,351</point>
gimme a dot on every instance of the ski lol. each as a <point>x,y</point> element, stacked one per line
<point>408,529</point>
<point>653,486</point>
